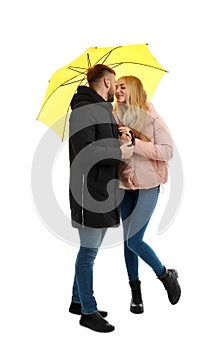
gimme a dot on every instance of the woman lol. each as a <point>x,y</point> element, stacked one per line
<point>141,178</point>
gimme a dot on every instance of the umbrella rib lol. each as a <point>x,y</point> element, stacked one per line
<point>75,69</point>
<point>65,122</point>
<point>82,81</point>
<point>107,55</point>
<point>114,65</point>
<point>72,82</point>
<point>88,60</point>
<point>141,64</point>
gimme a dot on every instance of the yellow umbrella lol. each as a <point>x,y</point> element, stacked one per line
<point>134,60</point>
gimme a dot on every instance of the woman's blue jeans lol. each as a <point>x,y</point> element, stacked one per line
<point>137,208</point>
<point>90,241</point>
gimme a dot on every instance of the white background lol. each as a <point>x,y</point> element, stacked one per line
<point>36,267</point>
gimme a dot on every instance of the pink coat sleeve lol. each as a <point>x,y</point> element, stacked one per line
<point>161,146</point>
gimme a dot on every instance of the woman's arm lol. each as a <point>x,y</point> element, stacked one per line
<point>161,148</point>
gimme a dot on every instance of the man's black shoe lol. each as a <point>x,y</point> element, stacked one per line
<point>96,322</point>
<point>75,308</point>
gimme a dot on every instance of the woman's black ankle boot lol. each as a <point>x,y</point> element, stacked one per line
<point>170,282</point>
<point>136,305</point>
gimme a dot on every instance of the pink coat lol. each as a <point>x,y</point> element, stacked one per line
<point>147,167</point>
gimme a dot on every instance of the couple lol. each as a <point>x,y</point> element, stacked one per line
<point>118,161</point>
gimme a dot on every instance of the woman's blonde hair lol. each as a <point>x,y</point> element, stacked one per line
<point>133,112</point>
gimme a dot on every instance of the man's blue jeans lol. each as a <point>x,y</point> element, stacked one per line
<point>137,208</point>
<point>90,241</point>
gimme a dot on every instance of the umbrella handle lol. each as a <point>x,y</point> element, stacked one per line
<point>132,139</point>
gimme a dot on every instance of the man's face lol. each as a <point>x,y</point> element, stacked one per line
<point>111,91</point>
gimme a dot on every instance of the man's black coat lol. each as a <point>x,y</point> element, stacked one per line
<point>95,155</point>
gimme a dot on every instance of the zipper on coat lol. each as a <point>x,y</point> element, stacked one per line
<point>83,182</point>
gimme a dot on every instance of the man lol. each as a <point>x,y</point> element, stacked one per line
<point>95,154</point>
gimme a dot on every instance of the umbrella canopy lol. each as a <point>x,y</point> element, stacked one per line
<point>134,60</point>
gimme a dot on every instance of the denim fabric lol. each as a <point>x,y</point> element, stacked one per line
<point>90,241</point>
<point>137,208</point>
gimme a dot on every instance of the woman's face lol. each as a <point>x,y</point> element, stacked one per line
<point>121,91</point>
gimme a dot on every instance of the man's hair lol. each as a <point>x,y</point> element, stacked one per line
<point>95,73</point>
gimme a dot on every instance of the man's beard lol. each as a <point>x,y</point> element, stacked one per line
<point>110,95</point>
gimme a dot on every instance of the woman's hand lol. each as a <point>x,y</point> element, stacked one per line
<point>126,134</point>
<point>125,138</point>
<point>124,130</point>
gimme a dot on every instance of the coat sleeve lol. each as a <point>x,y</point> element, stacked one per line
<point>161,147</point>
